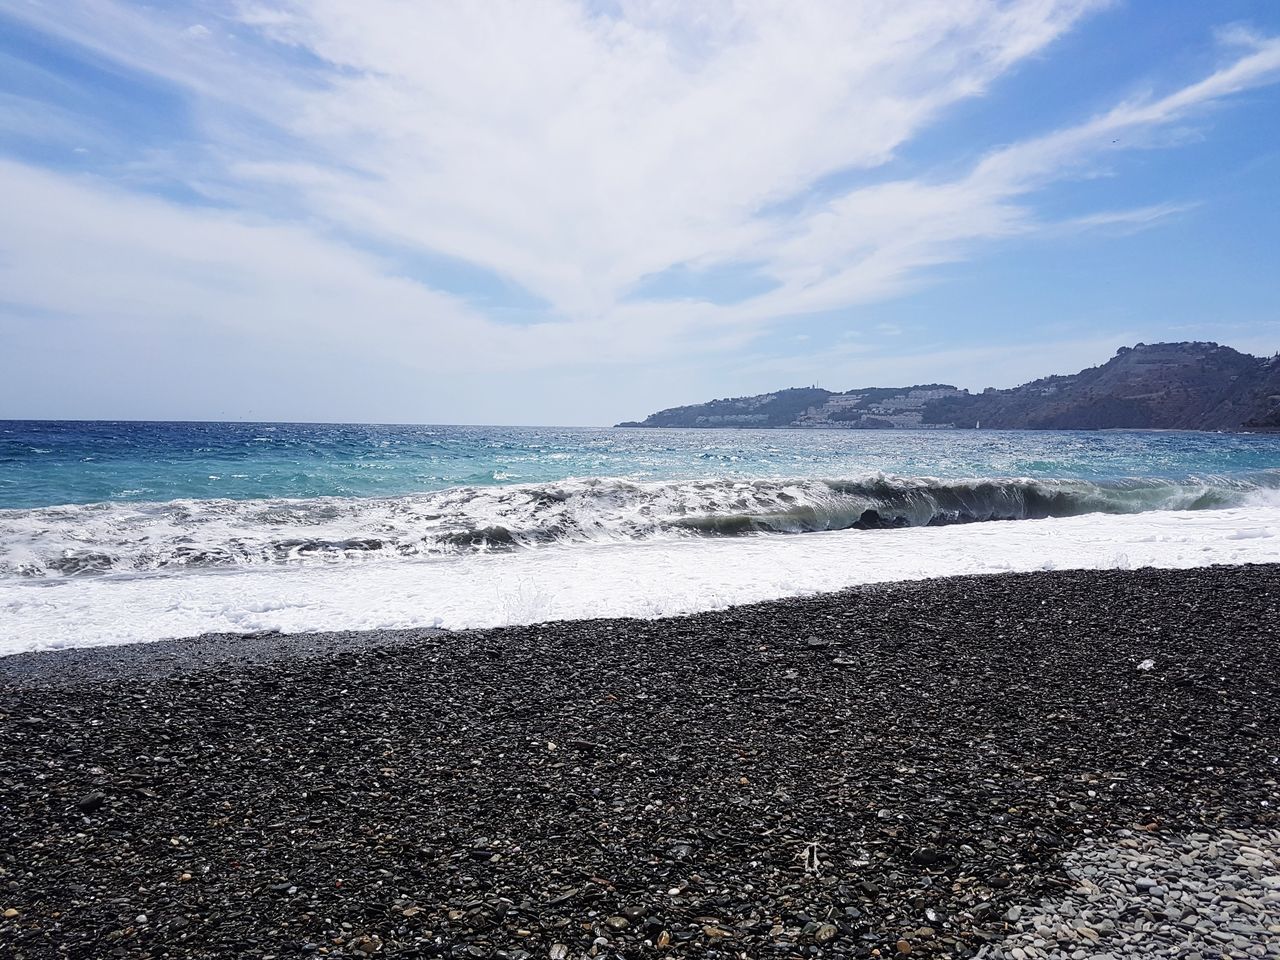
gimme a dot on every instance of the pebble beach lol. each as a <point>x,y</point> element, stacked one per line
<point>1062,764</point>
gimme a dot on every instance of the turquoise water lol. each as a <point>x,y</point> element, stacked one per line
<point>50,463</point>
<point>115,532</point>
<point>96,499</point>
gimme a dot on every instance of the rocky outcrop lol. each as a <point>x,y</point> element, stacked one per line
<point>1187,386</point>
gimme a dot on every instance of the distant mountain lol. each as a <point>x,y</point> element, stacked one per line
<point>1186,386</point>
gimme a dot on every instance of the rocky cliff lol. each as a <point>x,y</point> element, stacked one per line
<point>1188,386</point>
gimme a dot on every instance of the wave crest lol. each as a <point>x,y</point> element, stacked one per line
<point>104,538</point>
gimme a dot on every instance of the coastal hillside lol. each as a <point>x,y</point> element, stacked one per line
<point>1187,386</point>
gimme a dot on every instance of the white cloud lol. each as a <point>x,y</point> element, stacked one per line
<point>1129,220</point>
<point>870,242</point>
<point>574,152</point>
<point>77,247</point>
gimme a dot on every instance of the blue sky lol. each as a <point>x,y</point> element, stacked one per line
<point>581,212</point>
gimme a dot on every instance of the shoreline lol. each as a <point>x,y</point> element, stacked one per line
<point>893,764</point>
<point>643,579</point>
<point>173,656</point>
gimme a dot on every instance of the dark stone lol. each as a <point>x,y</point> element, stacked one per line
<point>976,706</point>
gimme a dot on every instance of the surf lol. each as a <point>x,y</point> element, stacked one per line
<point>113,538</point>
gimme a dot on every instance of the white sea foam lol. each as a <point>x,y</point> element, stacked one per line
<point>111,538</point>
<point>646,578</point>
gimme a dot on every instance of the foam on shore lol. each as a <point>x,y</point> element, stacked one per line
<point>634,579</point>
<point>110,538</point>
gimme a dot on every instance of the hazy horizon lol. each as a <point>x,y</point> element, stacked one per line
<point>553,426</point>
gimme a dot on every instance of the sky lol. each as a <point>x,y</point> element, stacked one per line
<point>556,212</point>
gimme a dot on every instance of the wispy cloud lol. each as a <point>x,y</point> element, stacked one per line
<point>872,241</point>
<point>577,153</point>
<point>1128,220</point>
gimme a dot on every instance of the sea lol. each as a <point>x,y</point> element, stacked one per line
<point>117,532</point>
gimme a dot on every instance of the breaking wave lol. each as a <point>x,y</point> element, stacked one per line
<point>115,538</point>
